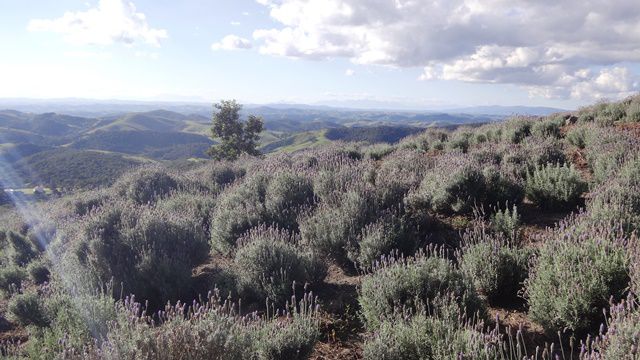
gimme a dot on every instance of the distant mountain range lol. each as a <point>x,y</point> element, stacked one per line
<point>96,108</point>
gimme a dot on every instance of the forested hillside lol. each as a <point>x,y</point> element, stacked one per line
<point>511,240</point>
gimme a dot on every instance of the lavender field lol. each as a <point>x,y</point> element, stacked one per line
<point>512,240</point>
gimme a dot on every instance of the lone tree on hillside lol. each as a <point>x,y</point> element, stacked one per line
<point>234,137</point>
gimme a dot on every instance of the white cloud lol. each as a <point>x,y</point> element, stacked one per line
<point>110,22</point>
<point>231,42</point>
<point>543,46</point>
<point>617,80</point>
<point>349,72</point>
<point>235,23</point>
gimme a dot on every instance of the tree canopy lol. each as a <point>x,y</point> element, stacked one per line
<point>234,137</point>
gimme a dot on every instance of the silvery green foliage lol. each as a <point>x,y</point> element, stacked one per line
<point>428,140</point>
<point>548,127</point>
<point>516,129</point>
<point>39,270</point>
<point>555,186</point>
<point>11,278</point>
<point>453,185</point>
<point>619,198</point>
<point>607,149</point>
<point>633,111</point>
<point>398,174</point>
<point>83,203</point>
<point>507,222</point>
<point>426,335</point>
<point>333,228</point>
<point>580,265</point>
<point>460,140</point>
<point>396,230</point>
<point>237,210</point>
<point>146,185</point>
<point>200,205</point>
<point>149,249</point>
<point>270,261</point>
<point>286,193</point>
<point>28,309</point>
<point>620,341</point>
<point>336,173</point>
<point>217,174</point>
<point>211,329</point>
<point>19,249</point>
<point>496,265</point>
<point>260,199</point>
<point>79,319</point>
<point>398,283</point>
<point>531,153</point>
<point>577,136</point>
<point>377,152</point>
<point>458,182</point>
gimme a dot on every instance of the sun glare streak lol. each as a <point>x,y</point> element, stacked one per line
<point>33,215</point>
<point>10,179</point>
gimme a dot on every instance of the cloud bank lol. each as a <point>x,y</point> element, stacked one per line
<point>112,21</point>
<point>555,49</point>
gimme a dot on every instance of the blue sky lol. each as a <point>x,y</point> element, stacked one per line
<point>365,53</point>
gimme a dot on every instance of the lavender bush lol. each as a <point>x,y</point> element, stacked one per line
<point>378,151</point>
<point>270,260</point>
<point>395,230</point>
<point>507,222</point>
<point>19,249</point>
<point>286,193</point>
<point>332,229</point>
<point>428,335</point>
<point>577,137</point>
<point>457,183</point>
<point>549,127</point>
<point>555,187</point>
<point>237,210</point>
<point>633,111</point>
<point>496,266</point>
<point>11,278</point>
<point>607,150</point>
<point>398,174</point>
<point>620,341</point>
<point>217,174</point>
<point>399,283</point>
<point>150,250</point>
<point>146,185</point>
<point>428,140</point>
<point>517,129</point>
<point>39,271</point>
<point>580,265</point>
<point>211,329</point>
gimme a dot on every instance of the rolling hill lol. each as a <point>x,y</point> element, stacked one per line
<point>154,144</point>
<point>297,142</point>
<point>157,120</point>
<point>65,148</point>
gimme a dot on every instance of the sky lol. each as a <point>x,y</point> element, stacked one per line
<point>422,54</point>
